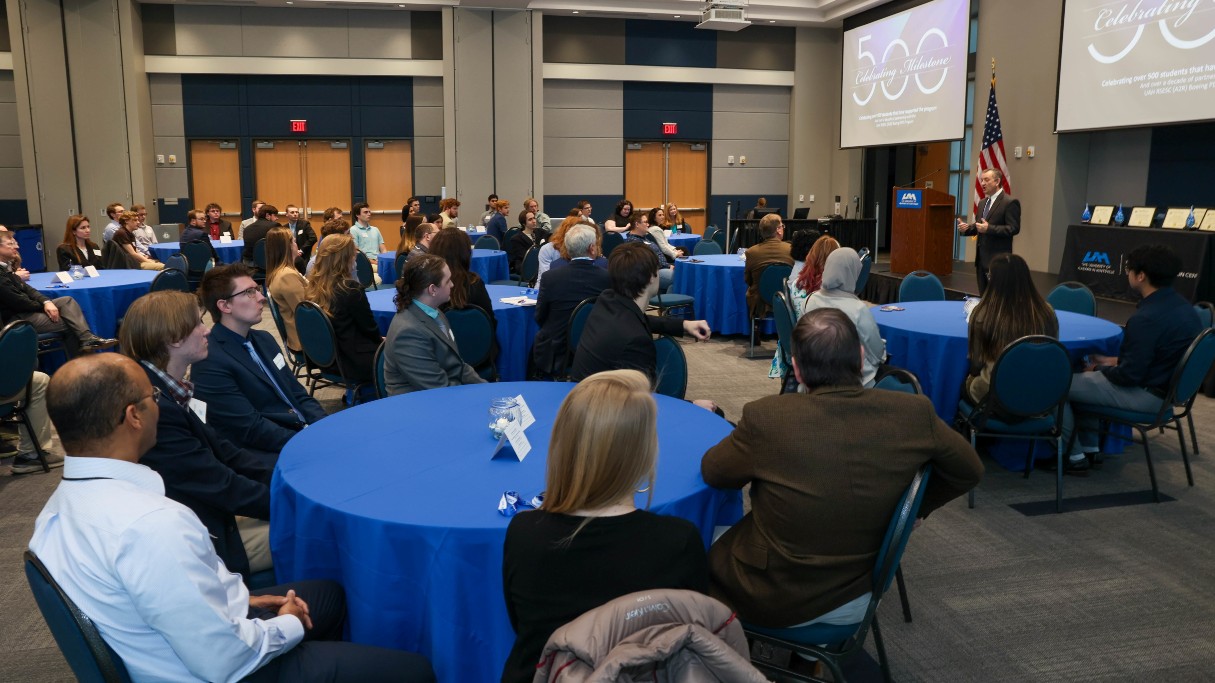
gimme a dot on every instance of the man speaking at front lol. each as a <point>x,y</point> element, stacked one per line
<point>999,218</point>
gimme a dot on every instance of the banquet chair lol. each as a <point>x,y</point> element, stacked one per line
<point>1178,403</point>
<point>611,240</point>
<point>844,641</point>
<point>508,235</point>
<point>363,272</point>
<point>1029,386</point>
<point>170,279</point>
<point>19,349</point>
<point>782,310</point>
<point>1206,316</point>
<point>91,658</point>
<point>198,255</point>
<point>669,301</point>
<point>315,331</point>
<point>771,280</point>
<point>710,230</point>
<point>487,242</point>
<point>574,332</point>
<point>704,248</point>
<point>719,238</point>
<point>1073,297</point>
<point>671,371</point>
<point>114,257</point>
<point>259,261</point>
<point>295,358</point>
<point>402,259</point>
<point>528,270</point>
<point>377,368</point>
<point>474,335</point>
<point>921,285</point>
<point>866,266</point>
<point>177,261</point>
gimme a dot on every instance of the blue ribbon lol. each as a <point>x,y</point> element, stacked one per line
<point>511,503</point>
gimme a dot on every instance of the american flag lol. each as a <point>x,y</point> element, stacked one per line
<point>992,154</point>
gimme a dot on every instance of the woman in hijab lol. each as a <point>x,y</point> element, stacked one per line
<point>840,273</point>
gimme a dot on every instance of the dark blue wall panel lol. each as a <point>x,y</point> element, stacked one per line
<point>1179,166</point>
<point>668,43</point>
<point>649,105</point>
<point>14,212</point>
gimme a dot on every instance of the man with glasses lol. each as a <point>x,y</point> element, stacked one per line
<point>113,211</point>
<point>773,249</point>
<point>252,398</point>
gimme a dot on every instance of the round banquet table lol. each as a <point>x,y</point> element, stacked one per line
<point>103,299</point>
<point>227,252</point>
<point>684,240</point>
<point>516,326</point>
<point>490,264</point>
<point>408,523</point>
<point>717,283</point>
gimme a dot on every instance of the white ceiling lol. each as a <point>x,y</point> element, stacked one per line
<point>820,13</point>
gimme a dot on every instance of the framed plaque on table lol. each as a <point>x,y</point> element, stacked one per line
<point>1141,217</point>
<point>1102,215</point>
<point>1207,222</point>
<point>1176,218</point>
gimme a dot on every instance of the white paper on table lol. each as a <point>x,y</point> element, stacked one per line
<point>91,271</point>
<point>525,413</point>
<point>517,301</point>
<point>63,277</point>
<point>225,238</point>
<point>517,439</point>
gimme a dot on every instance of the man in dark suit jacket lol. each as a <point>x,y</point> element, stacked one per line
<point>305,236</point>
<point>249,389</point>
<point>267,220</point>
<point>196,231</point>
<point>216,226</point>
<point>561,290</point>
<point>824,482</point>
<point>998,221</point>
<point>774,249</point>
<point>165,334</point>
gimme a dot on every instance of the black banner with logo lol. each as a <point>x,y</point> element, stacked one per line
<point>1096,256</point>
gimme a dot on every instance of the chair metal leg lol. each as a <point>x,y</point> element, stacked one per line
<point>898,577</point>
<point>751,347</point>
<point>1059,475</point>
<point>1147,454</point>
<point>881,650</point>
<point>1185,458</point>
<point>1029,459</point>
<point>29,429</point>
<point>1189,416</point>
<point>971,495</point>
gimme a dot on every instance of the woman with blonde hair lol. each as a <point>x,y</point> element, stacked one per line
<point>287,287</point>
<point>77,249</point>
<point>675,221</point>
<point>589,543</point>
<point>332,286</point>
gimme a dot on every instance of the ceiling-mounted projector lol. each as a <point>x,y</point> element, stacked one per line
<point>725,16</point>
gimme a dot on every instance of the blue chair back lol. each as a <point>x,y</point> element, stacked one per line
<point>1073,297</point>
<point>704,248</point>
<point>672,368</point>
<point>509,234</point>
<point>474,335</point>
<point>890,553</point>
<point>772,281</point>
<point>578,321</point>
<point>719,238</point>
<point>1206,313</point>
<point>710,230</point>
<point>899,379</point>
<point>362,269</point>
<point>782,311</point>
<point>530,268</point>
<point>381,385</point>
<point>1193,368</point>
<point>19,349</point>
<point>863,278</point>
<point>91,658</point>
<point>169,279</point>
<point>1031,378</point>
<point>402,259</point>
<point>259,254</point>
<point>611,240</point>
<point>921,286</point>
<point>197,255</point>
<point>315,331</point>
<point>487,242</point>
<point>178,262</point>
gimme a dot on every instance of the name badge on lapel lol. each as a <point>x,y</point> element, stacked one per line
<point>199,408</point>
<point>279,362</point>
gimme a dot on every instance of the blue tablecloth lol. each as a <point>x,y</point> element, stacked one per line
<point>104,299</point>
<point>410,527</point>
<point>228,253</point>
<point>489,264</point>
<point>717,284</point>
<point>684,240</point>
<point>516,326</point>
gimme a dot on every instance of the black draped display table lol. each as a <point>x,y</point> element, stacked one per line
<point>850,232</point>
<point>1096,256</point>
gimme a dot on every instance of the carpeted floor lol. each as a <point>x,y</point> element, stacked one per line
<point>1115,593</point>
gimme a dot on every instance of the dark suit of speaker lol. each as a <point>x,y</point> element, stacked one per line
<point>1003,222</point>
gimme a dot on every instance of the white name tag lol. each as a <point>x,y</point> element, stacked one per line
<point>91,271</point>
<point>63,277</point>
<point>279,362</point>
<point>199,408</point>
<point>525,413</point>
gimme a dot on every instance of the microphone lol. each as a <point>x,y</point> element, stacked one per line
<point>920,179</point>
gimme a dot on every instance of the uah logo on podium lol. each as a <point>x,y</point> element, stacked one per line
<point>910,199</point>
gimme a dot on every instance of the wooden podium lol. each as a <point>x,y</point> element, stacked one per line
<point>922,238</point>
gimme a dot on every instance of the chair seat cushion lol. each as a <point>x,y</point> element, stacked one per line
<point>670,300</point>
<point>1113,413</point>
<point>831,635</point>
<point>1037,425</point>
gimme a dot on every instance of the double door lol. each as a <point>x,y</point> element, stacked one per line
<point>659,173</point>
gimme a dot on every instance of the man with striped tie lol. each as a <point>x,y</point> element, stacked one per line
<point>997,220</point>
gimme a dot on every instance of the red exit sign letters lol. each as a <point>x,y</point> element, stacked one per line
<point>299,125</point>
<point>670,129</point>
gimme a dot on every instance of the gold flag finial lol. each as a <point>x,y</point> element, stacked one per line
<point>993,72</point>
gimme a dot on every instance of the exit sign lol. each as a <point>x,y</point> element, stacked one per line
<point>299,125</point>
<point>670,129</point>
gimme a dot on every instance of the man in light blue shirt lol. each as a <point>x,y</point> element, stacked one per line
<point>367,237</point>
<point>113,211</point>
<point>143,568</point>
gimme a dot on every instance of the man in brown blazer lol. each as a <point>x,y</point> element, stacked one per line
<point>826,469</point>
<point>774,249</point>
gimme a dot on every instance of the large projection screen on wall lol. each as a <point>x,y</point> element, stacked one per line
<point>1135,63</point>
<point>905,77</point>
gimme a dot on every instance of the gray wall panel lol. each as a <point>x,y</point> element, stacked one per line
<point>426,35</point>
<point>167,119</point>
<point>750,180</point>
<point>474,73</point>
<point>8,92</point>
<point>513,124</point>
<point>730,125</point>
<point>427,151</point>
<point>159,35</point>
<point>171,145</point>
<point>583,180</point>
<point>12,183</point>
<point>172,182</point>
<point>583,41</point>
<point>759,153</point>
<point>10,151</point>
<point>275,32</point>
<point>560,94</point>
<point>428,121</point>
<point>208,30</point>
<point>427,92</point>
<point>164,88</point>
<point>1118,166</point>
<point>597,151</point>
<point>758,47</point>
<point>751,98</point>
<point>583,123</point>
<point>380,35</point>
<point>428,180</point>
<point>8,118</point>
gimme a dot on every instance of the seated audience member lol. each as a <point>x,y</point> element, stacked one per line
<point>124,238</point>
<point>821,494</point>
<point>449,211</point>
<point>468,289</point>
<point>639,231</point>
<point>799,251</point>
<point>333,213</point>
<point>656,217</point>
<point>423,235</point>
<point>25,460</point>
<point>165,334</point>
<point>287,287</point>
<point>1153,342</point>
<point>20,301</point>
<point>114,211</point>
<point>145,235</point>
<point>773,249</point>
<point>490,210</point>
<point>408,228</point>
<point>333,288</point>
<point>196,231</point>
<point>77,249</point>
<point>621,217</point>
<point>521,242</point>
<point>252,398</point>
<point>267,220</point>
<point>810,279</point>
<point>551,251</point>
<point>420,351</point>
<point>584,208</point>
<point>842,269</point>
<point>413,207</point>
<point>142,566</point>
<point>588,543</point>
<point>332,226</point>
<point>542,220</point>
<point>367,238</point>
<point>217,225</point>
<point>761,205</point>
<point>561,292</point>
<point>497,227</point>
<point>618,332</point>
<point>253,218</point>
<point>1011,308</point>
<point>675,221</point>
<point>305,236</point>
